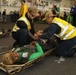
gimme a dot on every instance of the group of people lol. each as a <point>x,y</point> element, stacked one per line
<point>71,17</point>
<point>64,31</point>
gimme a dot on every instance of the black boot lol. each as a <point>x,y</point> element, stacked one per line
<point>16,44</point>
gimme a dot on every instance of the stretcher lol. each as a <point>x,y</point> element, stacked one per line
<point>12,69</point>
<point>4,33</point>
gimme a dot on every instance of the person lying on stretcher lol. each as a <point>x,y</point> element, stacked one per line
<point>23,54</point>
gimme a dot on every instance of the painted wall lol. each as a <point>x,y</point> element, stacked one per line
<point>9,6</point>
<point>64,5</point>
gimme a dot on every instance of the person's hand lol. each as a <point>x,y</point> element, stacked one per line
<point>39,32</point>
<point>33,43</point>
<point>35,36</point>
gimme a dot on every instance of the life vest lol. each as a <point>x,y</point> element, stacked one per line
<point>67,30</point>
<point>23,50</point>
<point>16,28</point>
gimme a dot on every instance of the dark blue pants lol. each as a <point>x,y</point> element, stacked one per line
<point>22,37</point>
<point>65,47</point>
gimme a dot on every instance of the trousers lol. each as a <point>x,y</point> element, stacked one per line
<point>22,37</point>
<point>65,47</point>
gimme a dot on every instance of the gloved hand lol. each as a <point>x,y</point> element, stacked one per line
<point>33,43</point>
<point>39,32</point>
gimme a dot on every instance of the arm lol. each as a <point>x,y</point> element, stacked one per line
<point>36,54</point>
<point>20,12</point>
<point>32,27</point>
<point>21,24</point>
<point>50,31</point>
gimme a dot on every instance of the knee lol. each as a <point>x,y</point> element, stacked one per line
<point>58,53</point>
<point>69,53</point>
<point>22,31</point>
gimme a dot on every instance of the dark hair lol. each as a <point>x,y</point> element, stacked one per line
<point>54,12</point>
<point>24,1</point>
